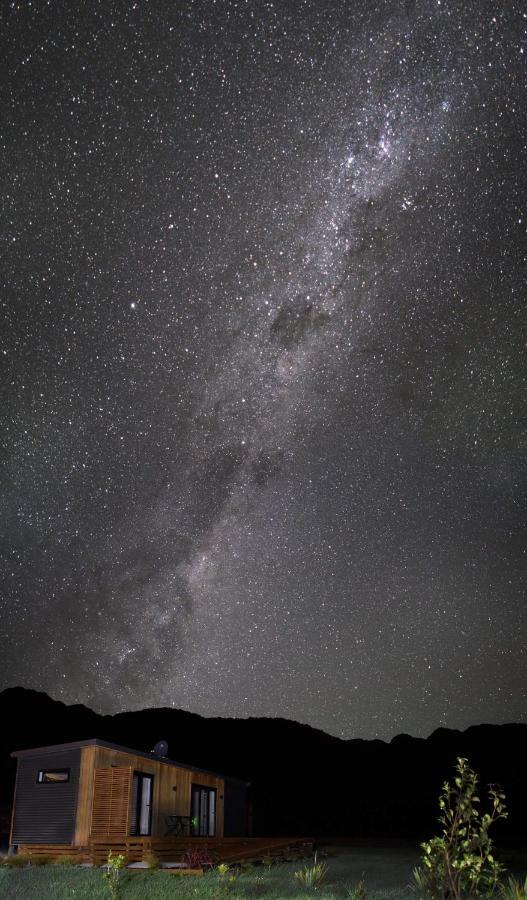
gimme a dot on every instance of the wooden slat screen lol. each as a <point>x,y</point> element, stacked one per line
<point>111,802</point>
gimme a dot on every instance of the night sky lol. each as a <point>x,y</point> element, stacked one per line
<point>263,447</point>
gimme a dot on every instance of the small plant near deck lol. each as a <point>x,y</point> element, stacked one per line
<point>112,876</point>
<point>151,860</point>
<point>460,863</point>
<point>197,858</point>
<point>245,867</point>
<point>356,891</point>
<point>226,881</point>
<point>16,860</point>
<point>311,878</point>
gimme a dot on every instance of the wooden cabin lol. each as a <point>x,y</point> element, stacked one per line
<point>76,795</point>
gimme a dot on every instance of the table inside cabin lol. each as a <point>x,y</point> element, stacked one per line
<point>178,825</point>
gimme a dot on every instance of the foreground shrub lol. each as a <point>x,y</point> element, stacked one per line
<point>311,878</point>
<point>460,863</point>
<point>514,890</point>
<point>112,876</point>
<point>425,883</point>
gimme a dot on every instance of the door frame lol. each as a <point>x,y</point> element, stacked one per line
<point>210,789</point>
<point>141,777</point>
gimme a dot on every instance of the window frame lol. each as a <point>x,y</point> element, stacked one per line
<point>41,773</point>
<point>141,777</point>
<point>209,789</point>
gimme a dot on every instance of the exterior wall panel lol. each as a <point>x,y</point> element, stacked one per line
<point>45,813</point>
<point>236,819</point>
<point>172,786</point>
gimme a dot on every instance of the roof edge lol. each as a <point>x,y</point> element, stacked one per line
<point>97,742</point>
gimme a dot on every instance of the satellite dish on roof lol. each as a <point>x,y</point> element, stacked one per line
<point>160,749</point>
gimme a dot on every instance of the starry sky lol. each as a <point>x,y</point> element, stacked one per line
<point>263,446</point>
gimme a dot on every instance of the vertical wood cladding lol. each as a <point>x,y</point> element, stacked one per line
<point>45,813</point>
<point>85,799</point>
<point>172,786</point>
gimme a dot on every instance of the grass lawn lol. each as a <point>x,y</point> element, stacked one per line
<point>386,872</point>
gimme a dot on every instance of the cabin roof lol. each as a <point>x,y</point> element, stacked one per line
<point>97,742</point>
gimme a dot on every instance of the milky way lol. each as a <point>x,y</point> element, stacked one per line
<point>263,389</point>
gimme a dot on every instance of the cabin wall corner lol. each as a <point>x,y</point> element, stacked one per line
<point>85,797</point>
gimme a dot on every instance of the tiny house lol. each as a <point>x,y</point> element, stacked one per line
<point>75,794</point>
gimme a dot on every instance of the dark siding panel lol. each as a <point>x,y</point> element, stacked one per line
<point>235,799</point>
<point>45,813</point>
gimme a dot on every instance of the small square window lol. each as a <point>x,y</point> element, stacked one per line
<point>53,776</point>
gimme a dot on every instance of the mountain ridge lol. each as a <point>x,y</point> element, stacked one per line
<point>304,781</point>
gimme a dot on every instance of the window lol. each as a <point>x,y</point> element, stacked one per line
<point>142,795</point>
<point>53,776</point>
<point>203,811</point>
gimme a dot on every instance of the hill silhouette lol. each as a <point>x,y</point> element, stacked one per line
<point>303,781</point>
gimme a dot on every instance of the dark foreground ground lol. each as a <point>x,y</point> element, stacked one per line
<point>386,871</point>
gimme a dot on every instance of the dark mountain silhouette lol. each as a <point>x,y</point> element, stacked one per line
<point>303,781</point>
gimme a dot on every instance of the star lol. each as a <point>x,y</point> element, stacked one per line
<point>289,484</point>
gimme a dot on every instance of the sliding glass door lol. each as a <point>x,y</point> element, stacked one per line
<point>142,795</point>
<point>203,811</point>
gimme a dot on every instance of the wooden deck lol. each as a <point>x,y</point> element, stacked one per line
<point>172,849</point>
